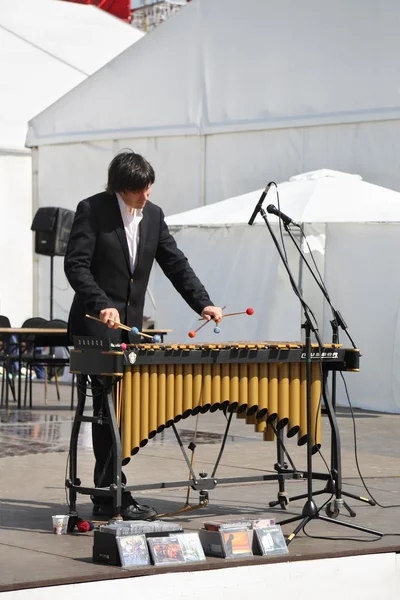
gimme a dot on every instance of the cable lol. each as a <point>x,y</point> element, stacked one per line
<point>338,538</point>
<point>338,320</point>
<point>315,434</point>
<point>280,221</point>
<point>65,480</point>
<point>314,263</point>
<point>343,539</point>
<point>305,306</point>
<point>356,454</point>
<point>61,308</point>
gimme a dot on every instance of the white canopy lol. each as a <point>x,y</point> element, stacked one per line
<point>48,47</point>
<point>354,232</point>
<point>322,196</point>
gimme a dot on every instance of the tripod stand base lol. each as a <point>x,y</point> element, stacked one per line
<point>333,508</point>
<point>306,518</point>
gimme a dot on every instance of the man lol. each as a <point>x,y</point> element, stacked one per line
<point>114,240</point>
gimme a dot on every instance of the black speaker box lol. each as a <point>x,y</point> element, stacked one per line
<point>52,227</point>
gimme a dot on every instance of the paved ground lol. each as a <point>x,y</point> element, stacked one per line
<point>33,461</point>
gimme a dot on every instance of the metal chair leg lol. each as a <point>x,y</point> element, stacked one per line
<point>57,388</point>
<point>45,383</point>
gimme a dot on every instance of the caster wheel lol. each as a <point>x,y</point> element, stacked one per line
<point>283,500</point>
<point>331,511</point>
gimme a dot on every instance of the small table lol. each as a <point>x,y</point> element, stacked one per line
<point>43,337</point>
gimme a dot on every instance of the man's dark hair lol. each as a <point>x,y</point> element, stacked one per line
<point>129,171</point>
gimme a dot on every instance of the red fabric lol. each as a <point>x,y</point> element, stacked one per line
<point>118,8</point>
<point>84,526</point>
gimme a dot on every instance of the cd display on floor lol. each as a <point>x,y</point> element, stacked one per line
<point>236,543</point>
<point>166,550</point>
<point>269,541</point>
<point>133,550</point>
<point>191,547</point>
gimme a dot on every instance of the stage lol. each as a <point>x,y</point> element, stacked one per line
<point>33,460</point>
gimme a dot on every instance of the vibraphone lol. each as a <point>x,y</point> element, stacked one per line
<point>157,385</point>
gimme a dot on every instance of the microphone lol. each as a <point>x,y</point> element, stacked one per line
<point>274,211</point>
<point>259,203</point>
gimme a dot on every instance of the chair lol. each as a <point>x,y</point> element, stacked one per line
<point>25,354</point>
<point>6,361</point>
<point>27,340</point>
<point>56,357</point>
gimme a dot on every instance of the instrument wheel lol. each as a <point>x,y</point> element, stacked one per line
<point>331,510</point>
<point>284,504</point>
<point>283,498</point>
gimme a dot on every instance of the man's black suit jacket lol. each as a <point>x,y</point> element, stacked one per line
<point>98,268</point>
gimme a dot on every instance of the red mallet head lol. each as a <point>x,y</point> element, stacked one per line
<point>250,311</point>
<point>192,334</point>
<point>123,346</point>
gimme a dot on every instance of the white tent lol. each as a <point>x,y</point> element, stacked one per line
<point>225,96</point>
<point>47,47</point>
<point>353,228</point>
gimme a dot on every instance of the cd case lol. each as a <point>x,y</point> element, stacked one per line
<point>236,543</point>
<point>226,543</point>
<point>166,550</point>
<point>133,551</point>
<point>249,523</point>
<point>191,547</point>
<point>269,541</point>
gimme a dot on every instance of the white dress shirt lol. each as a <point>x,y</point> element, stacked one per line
<point>131,218</point>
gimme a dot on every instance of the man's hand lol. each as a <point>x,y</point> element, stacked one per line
<point>110,316</point>
<point>212,312</point>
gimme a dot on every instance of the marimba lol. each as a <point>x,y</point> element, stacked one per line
<point>263,382</point>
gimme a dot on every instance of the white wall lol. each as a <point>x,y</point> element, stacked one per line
<point>195,170</point>
<point>362,277</point>
<point>237,163</point>
<point>357,577</point>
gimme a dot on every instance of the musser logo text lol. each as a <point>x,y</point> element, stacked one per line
<point>321,355</point>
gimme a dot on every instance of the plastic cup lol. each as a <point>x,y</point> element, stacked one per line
<point>60,524</point>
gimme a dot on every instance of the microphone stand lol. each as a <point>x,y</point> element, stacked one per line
<point>310,510</point>
<point>334,482</point>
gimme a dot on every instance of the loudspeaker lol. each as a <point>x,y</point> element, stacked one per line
<point>52,227</point>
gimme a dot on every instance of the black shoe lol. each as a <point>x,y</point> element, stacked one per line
<point>133,512</point>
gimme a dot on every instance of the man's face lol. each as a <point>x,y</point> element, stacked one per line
<point>136,199</point>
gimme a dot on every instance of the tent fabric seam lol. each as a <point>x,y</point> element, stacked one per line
<point>202,129</point>
<point>43,50</point>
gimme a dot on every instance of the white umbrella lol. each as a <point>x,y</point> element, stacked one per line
<point>322,196</point>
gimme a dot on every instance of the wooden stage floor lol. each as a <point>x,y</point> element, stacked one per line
<point>33,458</point>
